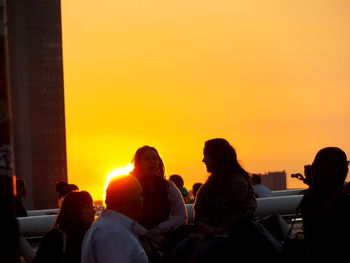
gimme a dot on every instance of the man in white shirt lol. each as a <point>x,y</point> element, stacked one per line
<point>260,189</point>
<point>112,238</point>
<point>274,223</point>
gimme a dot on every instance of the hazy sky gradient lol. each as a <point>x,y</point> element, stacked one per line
<point>272,77</point>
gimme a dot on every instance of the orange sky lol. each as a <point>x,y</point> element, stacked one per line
<point>272,77</point>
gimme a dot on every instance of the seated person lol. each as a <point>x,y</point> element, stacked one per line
<point>112,237</point>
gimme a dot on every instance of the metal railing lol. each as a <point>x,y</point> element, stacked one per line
<point>39,222</point>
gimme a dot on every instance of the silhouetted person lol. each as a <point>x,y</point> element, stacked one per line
<point>224,206</point>
<point>306,178</point>
<point>62,189</point>
<point>325,208</point>
<point>21,191</point>
<point>164,210</point>
<point>112,236</point>
<point>195,188</point>
<point>260,189</point>
<point>179,182</point>
<point>275,223</point>
<point>73,187</point>
<point>63,242</point>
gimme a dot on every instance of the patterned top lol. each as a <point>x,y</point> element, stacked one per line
<point>225,207</point>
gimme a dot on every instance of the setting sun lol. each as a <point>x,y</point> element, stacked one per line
<point>123,171</point>
<point>271,77</point>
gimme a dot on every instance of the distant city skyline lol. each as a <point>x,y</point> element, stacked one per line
<point>275,180</point>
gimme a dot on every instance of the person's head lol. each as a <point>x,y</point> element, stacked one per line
<point>220,157</point>
<point>73,187</point>
<point>21,189</point>
<point>177,180</point>
<point>62,188</point>
<point>329,168</point>
<point>147,163</point>
<point>77,212</point>
<point>124,195</point>
<point>255,179</point>
<point>195,188</point>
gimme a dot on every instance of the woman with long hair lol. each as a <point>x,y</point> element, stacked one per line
<point>163,206</point>
<point>227,197</point>
<point>223,205</point>
<point>63,242</point>
<point>164,210</point>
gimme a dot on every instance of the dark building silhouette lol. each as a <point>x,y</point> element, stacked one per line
<point>274,180</point>
<point>37,97</point>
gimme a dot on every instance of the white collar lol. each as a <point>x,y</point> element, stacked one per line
<point>127,222</point>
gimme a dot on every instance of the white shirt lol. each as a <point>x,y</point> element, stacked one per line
<point>178,214</point>
<point>262,190</point>
<point>111,239</point>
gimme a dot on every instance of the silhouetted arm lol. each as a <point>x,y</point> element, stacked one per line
<point>178,214</point>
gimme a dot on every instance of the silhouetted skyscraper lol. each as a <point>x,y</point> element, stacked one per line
<point>36,79</point>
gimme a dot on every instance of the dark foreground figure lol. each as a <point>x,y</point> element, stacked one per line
<point>325,209</point>
<point>225,229</point>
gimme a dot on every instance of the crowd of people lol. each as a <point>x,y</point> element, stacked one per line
<point>145,218</point>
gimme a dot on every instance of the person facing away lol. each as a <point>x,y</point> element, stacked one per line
<point>163,209</point>
<point>21,191</point>
<point>195,188</point>
<point>325,208</point>
<point>223,202</point>
<point>63,242</point>
<point>260,189</point>
<point>111,238</point>
<point>275,223</point>
<point>62,189</point>
<point>179,182</point>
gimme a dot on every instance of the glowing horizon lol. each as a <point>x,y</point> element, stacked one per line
<point>271,77</point>
<point>121,171</point>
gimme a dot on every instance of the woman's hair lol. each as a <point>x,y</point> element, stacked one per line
<point>225,160</point>
<point>137,158</point>
<point>62,188</point>
<point>70,218</point>
<point>195,188</point>
<point>177,180</point>
<point>156,205</point>
<point>255,179</point>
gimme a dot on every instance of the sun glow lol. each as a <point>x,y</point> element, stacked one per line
<point>271,77</point>
<point>123,171</point>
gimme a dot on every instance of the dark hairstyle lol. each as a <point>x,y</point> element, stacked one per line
<point>225,158</point>
<point>69,218</point>
<point>329,168</point>
<point>137,158</point>
<point>177,180</point>
<point>62,188</point>
<point>156,204</point>
<point>73,187</point>
<point>195,188</point>
<point>256,179</point>
<point>119,191</point>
